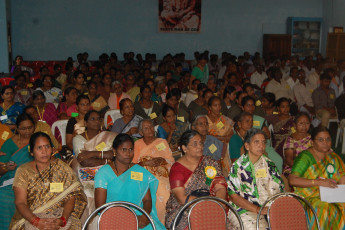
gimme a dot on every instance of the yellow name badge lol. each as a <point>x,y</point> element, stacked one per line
<point>261,173</point>
<point>212,148</point>
<point>288,87</point>
<point>97,104</point>
<point>88,78</point>
<point>160,146</point>
<point>256,123</point>
<point>30,85</point>
<point>101,146</point>
<point>311,90</point>
<point>153,115</point>
<point>55,94</point>
<point>56,187</point>
<point>331,96</point>
<point>137,176</point>
<point>220,125</point>
<point>24,93</point>
<point>275,113</point>
<point>258,103</point>
<point>180,119</point>
<point>5,135</point>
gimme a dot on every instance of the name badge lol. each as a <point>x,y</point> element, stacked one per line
<point>160,147</point>
<point>74,114</point>
<point>4,117</point>
<point>220,125</point>
<point>101,146</point>
<point>55,94</point>
<point>56,187</point>
<point>153,115</point>
<point>212,148</point>
<point>256,123</point>
<point>261,173</point>
<point>30,85</point>
<point>137,176</point>
<point>180,119</point>
<point>88,78</point>
<point>331,96</point>
<point>288,87</point>
<point>5,135</point>
<point>24,93</point>
<point>258,103</point>
<point>97,104</point>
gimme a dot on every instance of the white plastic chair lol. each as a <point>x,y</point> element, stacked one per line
<point>61,125</point>
<point>114,114</point>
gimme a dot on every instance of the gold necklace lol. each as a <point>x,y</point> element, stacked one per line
<point>3,107</point>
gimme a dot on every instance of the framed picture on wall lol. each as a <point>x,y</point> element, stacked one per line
<point>338,29</point>
<point>179,16</point>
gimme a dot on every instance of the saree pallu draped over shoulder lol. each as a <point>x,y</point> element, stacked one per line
<point>44,202</point>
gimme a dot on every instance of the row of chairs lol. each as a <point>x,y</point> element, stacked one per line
<point>285,212</point>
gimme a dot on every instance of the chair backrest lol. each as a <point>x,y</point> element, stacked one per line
<point>61,125</point>
<point>287,213</point>
<point>111,116</point>
<point>207,214</point>
<point>118,217</point>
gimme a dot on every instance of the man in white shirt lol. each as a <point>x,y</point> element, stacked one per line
<point>292,80</point>
<point>308,68</point>
<point>302,92</point>
<point>192,94</point>
<point>279,87</point>
<point>258,76</point>
<point>314,77</point>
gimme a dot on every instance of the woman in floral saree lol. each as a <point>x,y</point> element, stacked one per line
<point>47,191</point>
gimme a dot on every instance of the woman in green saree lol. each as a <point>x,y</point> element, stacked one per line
<point>14,152</point>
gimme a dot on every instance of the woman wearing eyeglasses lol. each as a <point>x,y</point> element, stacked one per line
<point>122,180</point>
<point>92,150</point>
<point>315,167</point>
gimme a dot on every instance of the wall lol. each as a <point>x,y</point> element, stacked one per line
<point>48,30</point>
<point>4,67</point>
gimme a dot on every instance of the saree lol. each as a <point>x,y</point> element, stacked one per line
<point>330,215</point>
<point>12,113</point>
<point>52,95</point>
<point>222,127</point>
<point>181,127</point>
<point>281,130</point>
<point>128,187</point>
<point>5,134</point>
<point>49,114</point>
<point>98,103</point>
<point>158,148</point>
<point>114,100</point>
<point>194,181</point>
<point>23,96</point>
<point>19,156</point>
<point>121,127</point>
<point>245,181</point>
<point>44,203</point>
<point>63,108</point>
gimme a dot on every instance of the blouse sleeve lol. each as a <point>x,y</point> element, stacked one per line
<point>161,133</point>
<point>176,177</point>
<point>303,161</point>
<point>20,179</point>
<point>101,180</point>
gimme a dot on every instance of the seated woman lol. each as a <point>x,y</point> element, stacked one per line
<point>155,155</point>
<point>68,104</point>
<point>14,152</point>
<point>105,89</point>
<point>52,94</point>
<point>41,126</point>
<point>282,124</point>
<point>145,107</point>
<point>9,109</point>
<point>46,111</point>
<point>76,125</point>
<point>315,167</point>
<point>198,106</point>
<point>79,82</point>
<point>92,150</point>
<point>220,126</point>
<point>267,103</point>
<point>228,103</point>
<point>40,206</point>
<point>171,129</point>
<point>23,94</point>
<point>190,173</point>
<point>129,121</point>
<point>122,180</point>
<point>253,178</point>
<point>98,103</point>
<point>297,142</point>
<point>117,96</point>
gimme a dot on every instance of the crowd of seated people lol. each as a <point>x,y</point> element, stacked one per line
<point>238,128</point>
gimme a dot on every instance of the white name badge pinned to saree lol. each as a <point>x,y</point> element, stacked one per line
<point>220,125</point>
<point>160,146</point>
<point>101,146</point>
<point>97,104</point>
<point>212,148</point>
<point>5,135</point>
<point>4,117</point>
<point>137,176</point>
<point>153,115</point>
<point>256,123</point>
<point>180,119</point>
<point>261,173</point>
<point>56,187</point>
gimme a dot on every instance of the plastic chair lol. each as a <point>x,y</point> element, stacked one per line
<point>111,116</point>
<point>287,212</point>
<point>207,213</point>
<point>118,215</point>
<point>61,125</point>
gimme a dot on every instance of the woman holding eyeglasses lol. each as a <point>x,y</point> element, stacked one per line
<point>92,150</point>
<point>14,152</point>
<point>47,192</point>
<point>192,176</point>
<point>315,167</point>
<point>122,180</point>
